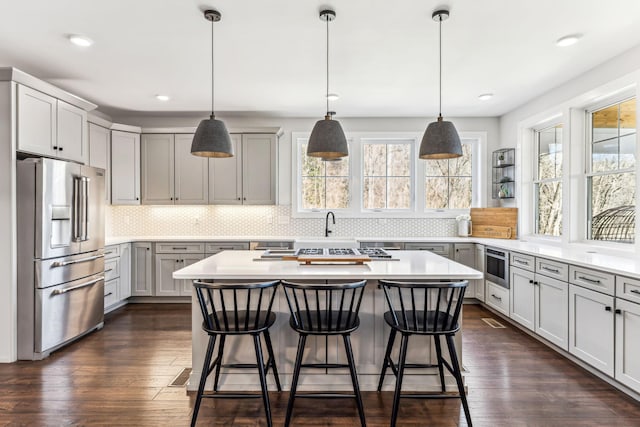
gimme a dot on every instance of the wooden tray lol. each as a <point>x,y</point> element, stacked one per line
<point>492,231</point>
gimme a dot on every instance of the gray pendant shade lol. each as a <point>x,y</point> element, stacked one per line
<point>212,139</point>
<point>327,140</point>
<point>440,141</point>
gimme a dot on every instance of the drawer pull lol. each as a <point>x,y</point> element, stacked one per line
<point>178,249</point>
<point>108,295</point>
<point>108,270</point>
<point>553,270</point>
<point>225,248</point>
<point>519,261</point>
<point>586,279</point>
<point>427,249</point>
<point>635,291</point>
<point>498,298</point>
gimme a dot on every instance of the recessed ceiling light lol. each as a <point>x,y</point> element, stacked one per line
<point>485,96</point>
<point>163,97</point>
<point>79,40</point>
<point>333,96</point>
<point>568,40</point>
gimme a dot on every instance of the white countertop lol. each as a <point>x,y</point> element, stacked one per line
<point>625,263</point>
<point>411,265</point>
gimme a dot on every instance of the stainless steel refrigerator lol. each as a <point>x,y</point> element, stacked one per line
<point>60,209</point>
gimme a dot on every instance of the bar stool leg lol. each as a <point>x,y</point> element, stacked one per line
<point>387,356</point>
<point>272,360</point>
<point>401,363</point>
<point>436,340</point>
<point>458,375</point>
<point>263,377</point>
<point>203,378</point>
<point>302,340</point>
<point>219,363</point>
<point>354,378</point>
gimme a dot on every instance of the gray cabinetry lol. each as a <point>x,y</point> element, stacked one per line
<point>170,173</point>
<point>100,153</point>
<point>156,152</point>
<point>141,271</point>
<point>443,249</point>
<point>50,127</point>
<point>627,363</point>
<point>247,178</point>
<point>117,276</point>
<point>539,300</point>
<point>465,253</point>
<point>125,168</point>
<point>170,257</point>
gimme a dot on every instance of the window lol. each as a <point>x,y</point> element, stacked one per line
<point>548,181</point>
<point>382,176</point>
<point>448,183</point>
<point>387,167</point>
<point>611,182</point>
<point>323,184</point>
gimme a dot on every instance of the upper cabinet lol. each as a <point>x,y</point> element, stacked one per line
<point>170,173</point>
<point>247,178</point>
<point>125,168</point>
<point>100,153</point>
<point>50,127</point>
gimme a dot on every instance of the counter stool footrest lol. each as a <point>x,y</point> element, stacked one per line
<point>226,395</point>
<point>325,395</point>
<point>324,365</point>
<point>430,396</point>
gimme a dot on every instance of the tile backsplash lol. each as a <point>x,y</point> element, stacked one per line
<point>259,221</point>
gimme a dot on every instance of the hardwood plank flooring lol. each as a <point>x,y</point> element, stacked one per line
<point>119,376</point>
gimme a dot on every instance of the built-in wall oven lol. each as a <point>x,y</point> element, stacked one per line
<point>497,266</point>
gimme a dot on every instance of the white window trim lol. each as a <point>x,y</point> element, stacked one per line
<point>479,180</point>
<point>574,191</point>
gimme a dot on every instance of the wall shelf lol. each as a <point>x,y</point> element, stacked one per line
<point>503,173</point>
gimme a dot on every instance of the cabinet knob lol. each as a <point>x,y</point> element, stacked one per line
<point>239,198</point>
<point>59,148</point>
<point>607,308</point>
<point>530,281</point>
<point>55,147</point>
<point>244,198</point>
<point>137,198</point>
<point>170,198</point>
<point>618,311</point>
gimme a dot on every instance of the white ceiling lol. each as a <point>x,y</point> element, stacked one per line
<point>270,54</point>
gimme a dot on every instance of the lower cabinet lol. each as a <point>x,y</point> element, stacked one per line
<point>627,322</point>
<point>497,297</point>
<point>540,304</point>
<point>141,271</point>
<point>465,253</point>
<point>165,265</point>
<point>124,291</point>
<point>591,328</point>
<point>480,292</point>
<point>117,276</point>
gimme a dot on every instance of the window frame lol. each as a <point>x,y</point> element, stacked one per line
<point>536,181</point>
<point>589,174</point>
<point>478,140</point>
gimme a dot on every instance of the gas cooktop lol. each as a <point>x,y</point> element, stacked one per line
<point>374,253</point>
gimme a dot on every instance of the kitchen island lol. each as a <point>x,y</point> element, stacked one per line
<point>368,341</point>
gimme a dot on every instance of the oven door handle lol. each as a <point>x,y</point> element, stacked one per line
<point>80,286</point>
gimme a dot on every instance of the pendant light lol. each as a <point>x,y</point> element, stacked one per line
<point>327,139</point>
<point>212,138</point>
<point>440,140</point>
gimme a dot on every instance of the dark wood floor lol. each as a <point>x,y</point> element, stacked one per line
<point>120,376</point>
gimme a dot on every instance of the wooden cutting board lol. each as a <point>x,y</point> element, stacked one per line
<point>497,223</point>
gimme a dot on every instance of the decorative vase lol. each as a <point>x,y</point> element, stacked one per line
<point>464,228</point>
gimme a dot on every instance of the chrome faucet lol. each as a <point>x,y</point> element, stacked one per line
<point>326,223</point>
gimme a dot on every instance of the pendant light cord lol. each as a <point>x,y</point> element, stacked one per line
<point>212,74</point>
<point>327,94</point>
<point>440,81</point>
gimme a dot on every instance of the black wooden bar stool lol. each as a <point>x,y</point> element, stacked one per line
<point>324,310</point>
<point>224,314</point>
<point>423,309</point>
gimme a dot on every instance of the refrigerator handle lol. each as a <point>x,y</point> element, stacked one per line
<point>85,209</point>
<point>77,209</point>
